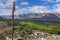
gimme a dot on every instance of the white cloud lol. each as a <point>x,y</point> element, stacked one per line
<point>33,9</point>
<point>5,12</point>
<point>39,9</point>
<point>51,0</point>
<point>24,3</point>
<point>57,0</point>
<point>5,3</point>
<point>47,0</point>
<point>4,7</point>
<point>57,8</point>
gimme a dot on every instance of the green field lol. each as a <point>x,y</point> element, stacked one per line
<point>50,27</point>
<point>28,26</point>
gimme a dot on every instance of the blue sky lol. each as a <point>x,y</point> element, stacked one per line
<point>29,6</point>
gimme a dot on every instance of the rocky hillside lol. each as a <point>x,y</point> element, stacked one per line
<point>40,16</point>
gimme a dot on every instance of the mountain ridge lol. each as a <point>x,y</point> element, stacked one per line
<point>33,16</point>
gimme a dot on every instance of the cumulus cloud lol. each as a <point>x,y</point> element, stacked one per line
<point>5,3</point>
<point>54,0</point>
<point>5,12</point>
<point>24,3</point>
<point>47,0</point>
<point>51,0</point>
<point>57,0</point>
<point>38,9</point>
<point>4,7</point>
<point>32,9</point>
<point>57,8</point>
